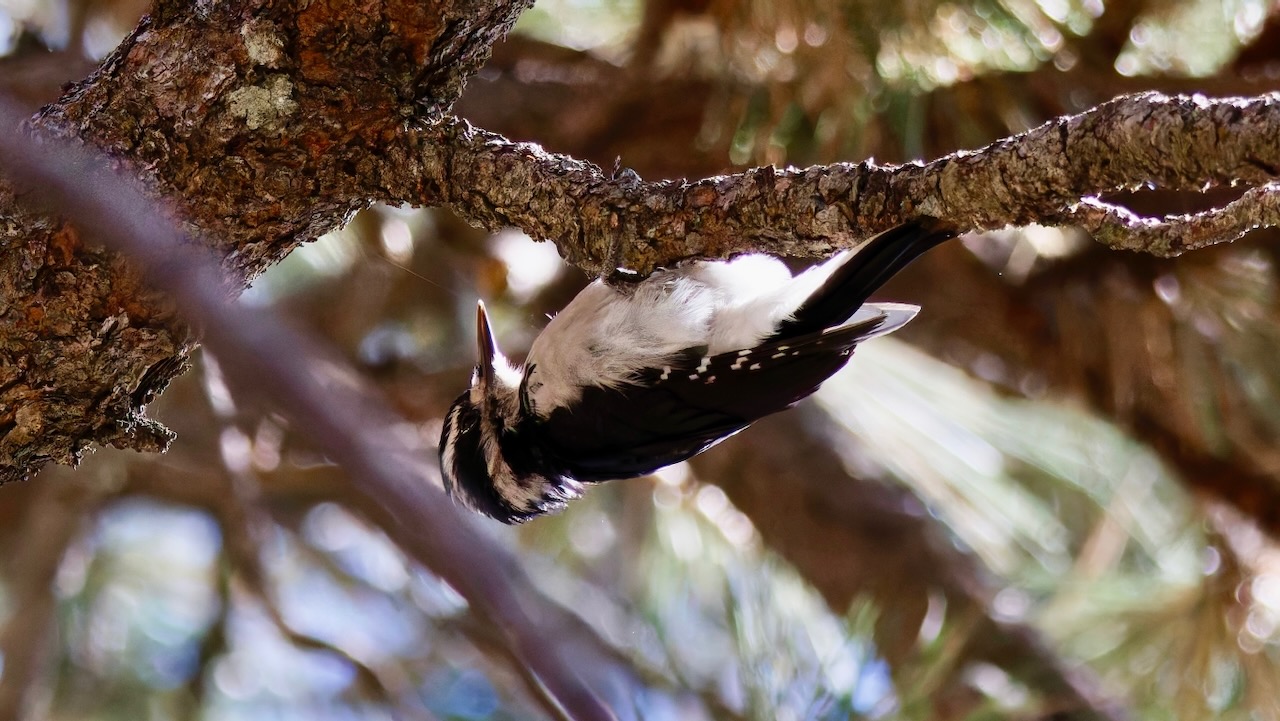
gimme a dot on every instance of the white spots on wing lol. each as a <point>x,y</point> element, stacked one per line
<point>737,365</point>
<point>693,377</point>
<point>777,355</point>
<point>711,379</point>
<point>705,364</point>
<point>666,373</point>
<point>754,367</point>
<point>744,352</point>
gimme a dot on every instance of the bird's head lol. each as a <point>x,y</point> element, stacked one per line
<point>490,461</point>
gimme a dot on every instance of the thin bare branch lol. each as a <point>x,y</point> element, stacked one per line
<point>1173,235</point>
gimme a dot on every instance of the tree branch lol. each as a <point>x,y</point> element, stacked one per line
<point>601,223</point>
<point>1173,235</point>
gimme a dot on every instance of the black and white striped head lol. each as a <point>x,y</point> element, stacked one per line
<point>489,457</point>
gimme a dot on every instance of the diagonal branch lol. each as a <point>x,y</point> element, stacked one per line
<point>601,223</point>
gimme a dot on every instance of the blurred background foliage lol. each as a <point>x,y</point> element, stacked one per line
<point>1057,494</point>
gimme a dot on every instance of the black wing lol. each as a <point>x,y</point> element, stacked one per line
<point>677,411</point>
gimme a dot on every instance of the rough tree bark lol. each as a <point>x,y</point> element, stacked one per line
<point>1050,175</point>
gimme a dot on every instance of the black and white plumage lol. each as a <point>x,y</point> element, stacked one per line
<point>629,379</point>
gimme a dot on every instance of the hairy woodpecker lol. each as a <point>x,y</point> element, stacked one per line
<point>630,378</point>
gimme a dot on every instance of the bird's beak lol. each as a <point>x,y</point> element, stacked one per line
<point>488,349</point>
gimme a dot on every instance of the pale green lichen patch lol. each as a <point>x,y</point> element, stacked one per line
<point>263,46</point>
<point>264,106</point>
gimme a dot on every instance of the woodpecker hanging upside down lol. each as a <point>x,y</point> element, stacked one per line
<point>628,379</point>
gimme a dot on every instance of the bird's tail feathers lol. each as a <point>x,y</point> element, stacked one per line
<point>862,273</point>
<point>877,319</point>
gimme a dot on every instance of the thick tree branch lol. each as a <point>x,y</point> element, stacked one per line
<point>601,223</point>
<point>268,124</point>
